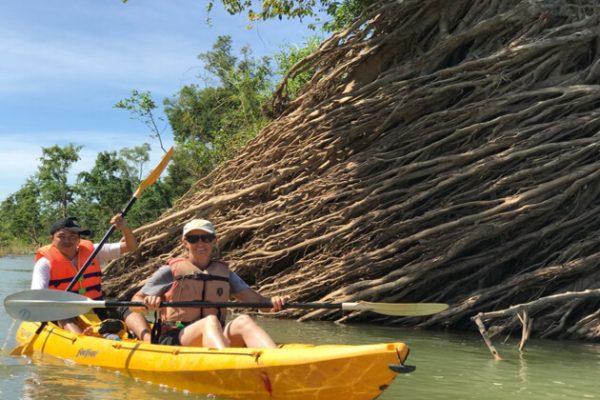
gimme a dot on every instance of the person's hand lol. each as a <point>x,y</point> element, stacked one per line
<point>279,302</point>
<point>118,221</point>
<point>152,302</point>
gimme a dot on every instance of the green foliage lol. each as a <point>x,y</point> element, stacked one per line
<point>97,195</point>
<point>21,217</point>
<point>211,124</point>
<point>344,13</point>
<point>27,214</point>
<point>150,206</point>
<point>273,8</point>
<point>244,83</point>
<point>290,55</point>
<point>137,156</point>
<point>142,107</point>
<point>110,184</point>
<point>56,192</point>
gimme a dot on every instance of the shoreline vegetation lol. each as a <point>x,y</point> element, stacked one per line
<point>16,249</point>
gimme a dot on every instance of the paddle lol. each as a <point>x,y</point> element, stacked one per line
<point>52,305</point>
<point>143,186</point>
<point>152,177</point>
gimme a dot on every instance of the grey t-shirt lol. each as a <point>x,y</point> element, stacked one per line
<point>162,279</point>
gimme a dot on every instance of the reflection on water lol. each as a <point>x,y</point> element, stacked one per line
<point>49,376</point>
<point>449,366</point>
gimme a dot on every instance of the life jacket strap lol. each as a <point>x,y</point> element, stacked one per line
<point>202,277</point>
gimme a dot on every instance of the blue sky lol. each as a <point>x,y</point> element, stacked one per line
<point>65,63</point>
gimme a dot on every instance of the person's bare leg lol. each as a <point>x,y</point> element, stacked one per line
<point>243,331</point>
<point>206,332</point>
<point>70,325</point>
<point>136,323</point>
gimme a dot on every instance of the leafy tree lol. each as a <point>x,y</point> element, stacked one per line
<point>149,207</point>
<point>290,55</point>
<point>142,106</point>
<point>21,216</point>
<point>110,184</point>
<point>104,189</point>
<point>273,8</point>
<point>138,156</point>
<point>47,195</point>
<point>344,13</point>
<point>210,124</point>
<point>341,12</point>
<point>52,177</point>
<point>244,83</point>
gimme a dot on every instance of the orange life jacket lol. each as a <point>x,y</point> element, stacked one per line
<point>191,283</point>
<point>62,271</point>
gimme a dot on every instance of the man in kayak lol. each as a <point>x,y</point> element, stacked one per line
<point>199,277</point>
<point>57,264</point>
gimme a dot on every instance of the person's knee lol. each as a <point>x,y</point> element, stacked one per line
<point>243,321</point>
<point>212,321</point>
<point>135,320</point>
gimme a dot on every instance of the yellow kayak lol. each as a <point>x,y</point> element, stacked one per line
<point>290,372</point>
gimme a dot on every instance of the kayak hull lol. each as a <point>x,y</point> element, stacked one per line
<point>291,372</point>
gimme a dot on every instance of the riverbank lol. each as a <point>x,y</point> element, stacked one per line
<point>15,249</point>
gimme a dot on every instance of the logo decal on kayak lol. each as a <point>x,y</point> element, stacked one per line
<point>87,353</point>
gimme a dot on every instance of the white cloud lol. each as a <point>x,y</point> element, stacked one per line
<point>20,153</point>
<point>151,45</point>
<point>159,64</point>
<point>66,63</point>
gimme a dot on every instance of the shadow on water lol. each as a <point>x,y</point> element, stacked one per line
<point>449,365</point>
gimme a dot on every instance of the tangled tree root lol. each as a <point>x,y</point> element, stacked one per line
<point>443,152</point>
<point>522,312</point>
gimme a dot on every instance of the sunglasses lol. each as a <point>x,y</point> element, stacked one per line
<point>206,238</point>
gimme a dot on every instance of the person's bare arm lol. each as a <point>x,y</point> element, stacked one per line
<point>251,296</point>
<point>128,242</point>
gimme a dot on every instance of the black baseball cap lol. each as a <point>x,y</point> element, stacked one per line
<point>70,224</point>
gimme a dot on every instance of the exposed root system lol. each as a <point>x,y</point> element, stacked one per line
<point>444,151</point>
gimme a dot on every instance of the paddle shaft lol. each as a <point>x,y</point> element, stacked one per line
<point>98,247</point>
<point>55,305</point>
<point>208,304</point>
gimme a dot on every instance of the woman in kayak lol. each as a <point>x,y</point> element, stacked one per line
<point>199,277</point>
<point>57,264</point>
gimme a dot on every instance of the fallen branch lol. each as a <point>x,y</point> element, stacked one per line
<point>522,311</point>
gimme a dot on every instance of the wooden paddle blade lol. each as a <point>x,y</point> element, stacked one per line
<point>397,309</point>
<point>47,305</point>
<point>153,176</point>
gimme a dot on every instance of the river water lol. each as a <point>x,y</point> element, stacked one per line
<point>449,366</point>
